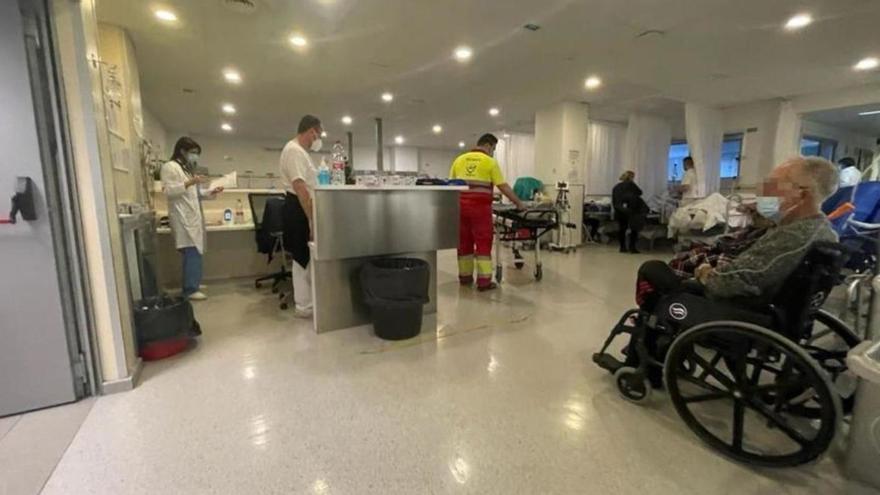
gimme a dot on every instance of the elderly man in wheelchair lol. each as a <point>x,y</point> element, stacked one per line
<point>738,347</point>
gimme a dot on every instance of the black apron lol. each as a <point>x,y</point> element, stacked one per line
<point>296,230</point>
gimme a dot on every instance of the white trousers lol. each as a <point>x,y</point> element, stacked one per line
<point>302,287</point>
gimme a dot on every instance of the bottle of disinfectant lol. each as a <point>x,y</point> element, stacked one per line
<point>323,173</point>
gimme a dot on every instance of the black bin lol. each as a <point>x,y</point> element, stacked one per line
<point>396,289</point>
<point>163,317</point>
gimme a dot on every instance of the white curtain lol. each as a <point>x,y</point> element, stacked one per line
<point>705,133</point>
<point>516,155</point>
<point>605,144</point>
<point>788,134</point>
<point>646,152</point>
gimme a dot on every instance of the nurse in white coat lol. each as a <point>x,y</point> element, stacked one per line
<point>184,193</point>
<point>688,186</point>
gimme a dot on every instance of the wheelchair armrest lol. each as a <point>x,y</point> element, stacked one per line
<point>693,286</point>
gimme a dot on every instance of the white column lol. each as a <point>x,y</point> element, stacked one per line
<point>788,134</point>
<point>646,152</point>
<point>561,142</point>
<point>705,133</point>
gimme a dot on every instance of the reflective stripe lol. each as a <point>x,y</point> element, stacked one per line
<point>465,266</point>
<point>484,266</point>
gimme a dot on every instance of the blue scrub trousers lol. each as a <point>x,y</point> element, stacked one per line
<point>192,270</point>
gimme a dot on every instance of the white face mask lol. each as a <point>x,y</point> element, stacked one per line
<point>316,145</point>
<point>768,207</point>
<point>192,159</point>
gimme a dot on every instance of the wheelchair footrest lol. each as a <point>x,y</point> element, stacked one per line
<point>607,362</point>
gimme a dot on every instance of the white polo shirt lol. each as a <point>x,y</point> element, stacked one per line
<point>690,179</point>
<point>296,164</point>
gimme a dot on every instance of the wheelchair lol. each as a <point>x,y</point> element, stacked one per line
<point>763,384</point>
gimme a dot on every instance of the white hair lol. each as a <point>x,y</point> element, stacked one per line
<point>824,176</point>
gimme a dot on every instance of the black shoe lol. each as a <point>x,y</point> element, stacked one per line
<point>634,251</point>
<point>623,250</point>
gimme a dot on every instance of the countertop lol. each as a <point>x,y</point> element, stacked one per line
<point>391,188</point>
<point>215,228</point>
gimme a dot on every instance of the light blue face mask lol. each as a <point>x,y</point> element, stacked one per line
<point>768,207</point>
<point>192,159</point>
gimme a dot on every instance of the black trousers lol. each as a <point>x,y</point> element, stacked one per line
<point>296,230</point>
<point>624,223</point>
<point>655,280</point>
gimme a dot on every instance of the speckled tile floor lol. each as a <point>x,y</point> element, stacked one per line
<point>500,398</point>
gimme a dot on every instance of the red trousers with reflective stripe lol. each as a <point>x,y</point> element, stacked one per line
<point>475,238</point>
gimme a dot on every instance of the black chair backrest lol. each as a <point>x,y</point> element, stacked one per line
<point>273,216</point>
<point>258,205</point>
<point>805,290</point>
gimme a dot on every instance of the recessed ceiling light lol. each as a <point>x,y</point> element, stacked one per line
<point>228,109</point>
<point>165,15</point>
<point>869,63</point>
<point>387,97</point>
<point>463,53</point>
<point>232,76</point>
<point>494,112</point>
<point>592,82</point>
<point>872,112</point>
<point>505,135</point>
<point>346,120</point>
<point>437,128</point>
<point>299,40</point>
<point>461,144</point>
<point>323,134</point>
<point>399,140</point>
<point>226,126</point>
<point>798,21</point>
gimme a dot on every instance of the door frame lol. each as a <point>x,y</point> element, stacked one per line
<point>61,193</point>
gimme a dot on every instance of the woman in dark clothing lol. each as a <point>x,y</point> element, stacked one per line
<point>630,210</point>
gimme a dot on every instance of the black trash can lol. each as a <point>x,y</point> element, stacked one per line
<point>396,289</point>
<point>163,317</point>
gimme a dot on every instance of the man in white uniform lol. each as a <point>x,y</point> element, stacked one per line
<point>850,175</point>
<point>299,178</point>
<point>688,186</point>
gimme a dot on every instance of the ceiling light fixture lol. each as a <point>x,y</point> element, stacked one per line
<point>228,109</point>
<point>299,40</point>
<point>226,126</point>
<point>437,128</point>
<point>461,144</point>
<point>165,15</point>
<point>387,97</point>
<point>872,112</point>
<point>463,53</point>
<point>323,134</point>
<point>232,76</point>
<point>505,135</point>
<point>798,21</point>
<point>592,82</point>
<point>399,140</point>
<point>869,63</point>
<point>346,120</point>
<point>494,112</point>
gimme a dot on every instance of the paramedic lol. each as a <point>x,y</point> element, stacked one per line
<point>481,172</point>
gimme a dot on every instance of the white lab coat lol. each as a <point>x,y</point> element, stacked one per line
<point>690,179</point>
<point>184,207</point>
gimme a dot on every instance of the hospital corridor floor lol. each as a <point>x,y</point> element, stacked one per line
<point>498,396</point>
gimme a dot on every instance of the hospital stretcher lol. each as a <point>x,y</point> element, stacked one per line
<point>522,227</point>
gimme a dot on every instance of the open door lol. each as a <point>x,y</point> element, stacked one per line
<point>41,297</point>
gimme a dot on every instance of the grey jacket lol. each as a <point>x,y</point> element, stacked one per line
<point>759,271</point>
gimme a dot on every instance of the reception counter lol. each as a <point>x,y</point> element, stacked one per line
<point>354,224</point>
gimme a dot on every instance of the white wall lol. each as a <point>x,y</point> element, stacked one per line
<point>847,141</point>
<point>757,121</point>
<point>156,133</point>
<point>436,163</point>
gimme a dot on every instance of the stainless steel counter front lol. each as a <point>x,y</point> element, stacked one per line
<point>353,225</point>
<point>358,221</point>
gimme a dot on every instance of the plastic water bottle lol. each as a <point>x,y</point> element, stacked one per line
<point>323,174</point>
<point>338,159</point>
<point>239,212</point>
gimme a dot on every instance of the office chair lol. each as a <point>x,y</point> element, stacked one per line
<point>268,213</point>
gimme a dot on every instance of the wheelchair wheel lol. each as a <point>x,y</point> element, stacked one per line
<point>742,389</point>
<point>632,385</point>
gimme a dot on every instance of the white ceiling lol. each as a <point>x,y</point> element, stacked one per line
<point>849,118</point>
<point>713,51</point>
